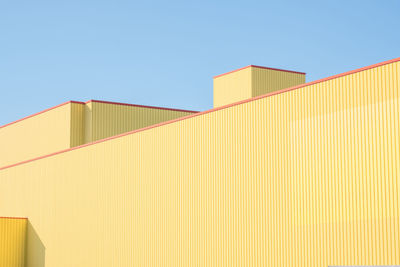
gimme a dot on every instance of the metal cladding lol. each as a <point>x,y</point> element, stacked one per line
<point>35,136</point>
<point>252,81</point>
<point>109,119</point>
<point>305,176</point>
<point>73,124</point>
<point>12,242</point>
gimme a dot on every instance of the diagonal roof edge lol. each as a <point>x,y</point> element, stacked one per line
<point>40,112</point>
<point>95,101</point>
<point>208,111</point>
<point>140,106</point>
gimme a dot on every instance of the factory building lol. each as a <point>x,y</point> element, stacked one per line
<point>279,173</point>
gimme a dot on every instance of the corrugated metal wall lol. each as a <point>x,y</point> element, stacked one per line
<point>36,136</point>
<point>88,123</point>
<point>266,80</point>
<point>73,124</point>
<point>309,177</point>
<point>252,81</point>
<point>77,124</point>
<point>110,119</point>
<point>12,242</point>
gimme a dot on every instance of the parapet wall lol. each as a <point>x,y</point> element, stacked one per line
<point>75,123</point>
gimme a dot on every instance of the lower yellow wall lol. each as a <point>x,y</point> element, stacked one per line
<point>12,242</point>
<point>310,177</point>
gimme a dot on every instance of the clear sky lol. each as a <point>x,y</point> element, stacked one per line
<point>165,53</point>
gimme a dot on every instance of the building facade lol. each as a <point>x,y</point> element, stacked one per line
<point>307,175</point>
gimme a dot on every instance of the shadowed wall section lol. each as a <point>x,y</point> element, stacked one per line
<point>75,123</point>
<point>35,250</point>
<point>252,81</point>
<point>12,242</point>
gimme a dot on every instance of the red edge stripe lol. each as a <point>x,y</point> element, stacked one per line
<point>208,111</point>
<point>17,218</point>
<point>96,101</point>
<point>38,113</point>
<point>260,67</point>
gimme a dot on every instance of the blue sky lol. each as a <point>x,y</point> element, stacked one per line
<point>165,53</point>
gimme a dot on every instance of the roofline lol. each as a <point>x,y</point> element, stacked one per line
<point>40,112</point>
<point>17,218</point>
<point>207,111</point>
<point>259,67</point>
<point>95,101</point>
<point>140,106</point>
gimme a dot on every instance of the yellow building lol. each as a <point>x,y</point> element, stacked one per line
<point>74,123</point>
<point>279,173</point>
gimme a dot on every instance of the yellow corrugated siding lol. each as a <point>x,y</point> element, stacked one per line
<point>77,124</point>
<point>309,177</point>
<point>36,136</point>
<point>265,80</point>
<point>232,87</point>
<point>112,119</point>
<point>74,124</point>
<point>88,123</point>
<point>252,81</point>
<point>12,242</point>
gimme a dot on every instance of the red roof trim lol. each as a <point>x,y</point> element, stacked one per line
<point>38,113</point>
<point>209,111</point>
<point>260,67</point>
<point>17,218</point>
<point>96,101</point>
<point>140,106</point>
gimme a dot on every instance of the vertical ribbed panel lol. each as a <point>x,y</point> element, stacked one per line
<point>110,119</point>
<point>264,81</point>
<point>88,123</point>
<point>77,124</point>
<point>12,242</point>
<point>72,124</point>
<point>252,81</point>
<point>309,177</point>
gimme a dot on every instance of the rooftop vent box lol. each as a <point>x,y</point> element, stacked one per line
<point>252,81</point>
